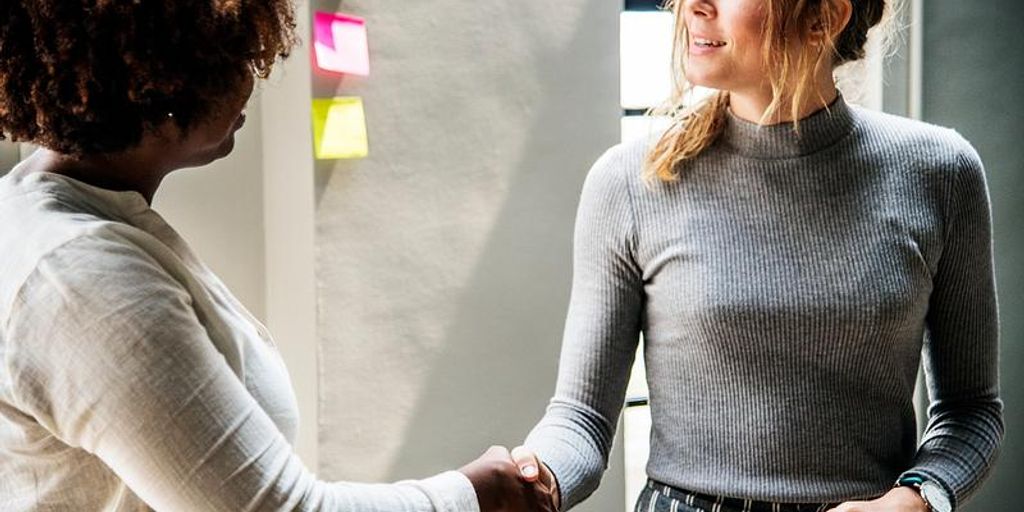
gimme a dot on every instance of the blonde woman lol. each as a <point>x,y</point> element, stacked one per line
<point>790,259</point>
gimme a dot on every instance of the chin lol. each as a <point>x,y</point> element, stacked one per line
<point>701,77</point>
<point>226,147</point>
<point>701,81</point>
<point>710,81</point>
<point>213,154</point>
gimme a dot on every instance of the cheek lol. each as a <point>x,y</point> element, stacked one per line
<point>747,25</point>
<point>749,42</point>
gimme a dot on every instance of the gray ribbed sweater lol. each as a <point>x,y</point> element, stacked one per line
<point>787,287</point>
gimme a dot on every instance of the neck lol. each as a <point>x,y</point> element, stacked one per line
<point>140,169</point>
<point>752,105</point>
<point>125,171</point>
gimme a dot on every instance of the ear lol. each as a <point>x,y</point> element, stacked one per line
<point>839,13</point>
<point>844,12</point>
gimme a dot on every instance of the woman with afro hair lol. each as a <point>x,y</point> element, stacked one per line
<point>131,378</point>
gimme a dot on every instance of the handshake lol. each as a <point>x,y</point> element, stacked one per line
<point>513,481</point>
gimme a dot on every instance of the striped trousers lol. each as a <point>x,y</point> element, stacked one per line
<point>658,497</point>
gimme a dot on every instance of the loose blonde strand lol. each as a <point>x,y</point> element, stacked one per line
<point>688,135</point>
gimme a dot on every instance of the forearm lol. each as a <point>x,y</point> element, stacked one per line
<point>127,372</point>
<point>960,445</point>
<point>233,458</point>
<point>961,349</point>
<point>602,331</point>
<point>447,492</point>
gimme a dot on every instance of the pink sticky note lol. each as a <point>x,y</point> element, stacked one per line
<point>340,43</point>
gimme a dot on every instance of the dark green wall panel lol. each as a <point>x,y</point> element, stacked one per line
<point>973,79</point>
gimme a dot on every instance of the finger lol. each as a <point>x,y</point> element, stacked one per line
<point>526,460</point>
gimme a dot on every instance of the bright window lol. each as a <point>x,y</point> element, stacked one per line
<point>645,48</point>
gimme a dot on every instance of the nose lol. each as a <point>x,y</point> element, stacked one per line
<point>699,8</point>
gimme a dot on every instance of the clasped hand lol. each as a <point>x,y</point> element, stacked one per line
<point>513,481</point>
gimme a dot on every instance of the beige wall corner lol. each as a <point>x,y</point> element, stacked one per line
<point>288,216</point>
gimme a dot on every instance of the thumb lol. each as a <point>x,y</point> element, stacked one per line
<point>526,461</point>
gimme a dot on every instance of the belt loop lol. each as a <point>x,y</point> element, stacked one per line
<point>654,501</point>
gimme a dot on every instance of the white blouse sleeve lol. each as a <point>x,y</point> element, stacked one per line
<point>106,351</point>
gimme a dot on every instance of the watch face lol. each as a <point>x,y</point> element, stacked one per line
<point>936,497</point>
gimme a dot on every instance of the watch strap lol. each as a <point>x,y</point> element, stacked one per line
<point>917,481</point>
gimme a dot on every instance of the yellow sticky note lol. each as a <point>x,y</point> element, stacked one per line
<point>339,128</point>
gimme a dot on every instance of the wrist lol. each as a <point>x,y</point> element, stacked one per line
<point>909,498</point>
<point>551,482</point>
<point>488,484</point>
<point>936,497</point>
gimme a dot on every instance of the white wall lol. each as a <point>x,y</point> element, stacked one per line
<point>8,156</point>
<point>443,260</point>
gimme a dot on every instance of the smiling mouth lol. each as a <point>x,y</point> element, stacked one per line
<point>707,43</point>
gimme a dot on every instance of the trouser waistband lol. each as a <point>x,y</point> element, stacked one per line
<point>658,497</point>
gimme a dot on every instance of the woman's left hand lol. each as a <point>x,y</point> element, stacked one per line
<point>899,499</point>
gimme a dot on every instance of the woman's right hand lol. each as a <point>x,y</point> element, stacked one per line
<point>531,469</point>
<point>500,487</point>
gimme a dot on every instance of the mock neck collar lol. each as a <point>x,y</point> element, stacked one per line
<point>817,131</point>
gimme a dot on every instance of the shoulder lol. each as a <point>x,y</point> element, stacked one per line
<point>57,247</point>
<point>939,155</point>
<point>620,167</point>
<point>943,147</point>
<point>91,265</point>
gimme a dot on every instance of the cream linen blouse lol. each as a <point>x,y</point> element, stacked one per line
<point>132,379</point>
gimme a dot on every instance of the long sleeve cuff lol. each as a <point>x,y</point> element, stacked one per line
<point>450,491</point>
<point>571,478</point>
<point>576,464</point>
<point>929,475</point>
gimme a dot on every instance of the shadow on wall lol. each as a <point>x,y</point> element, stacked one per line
<point>508,328</point>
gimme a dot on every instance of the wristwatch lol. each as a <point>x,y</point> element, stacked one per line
<point>933,494</point>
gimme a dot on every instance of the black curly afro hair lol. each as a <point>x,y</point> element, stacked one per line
<point>92,76</point>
